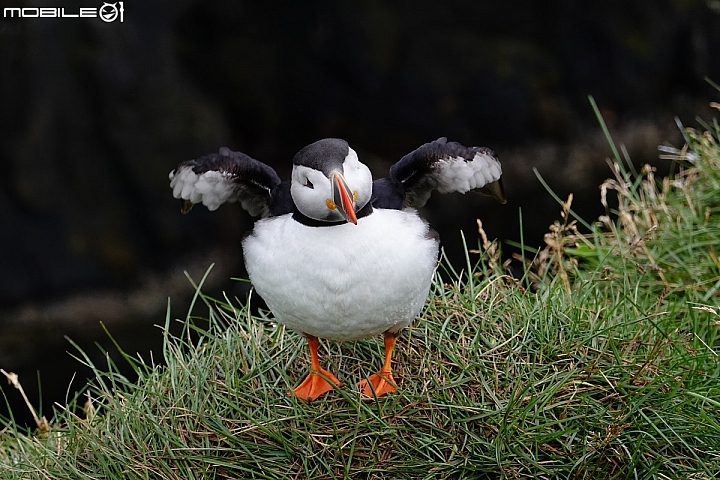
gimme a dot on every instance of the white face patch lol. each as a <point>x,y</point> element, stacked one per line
<point>312,202</point>
<point>358,178</point>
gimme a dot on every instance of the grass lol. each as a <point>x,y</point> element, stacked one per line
<point>601,362</point>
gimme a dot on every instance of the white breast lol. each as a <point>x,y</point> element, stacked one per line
<point>343,282</point>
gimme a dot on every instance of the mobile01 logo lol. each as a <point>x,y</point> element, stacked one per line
<point>108,12</point>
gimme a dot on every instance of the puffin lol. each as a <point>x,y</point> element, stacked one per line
<point>335,254</point>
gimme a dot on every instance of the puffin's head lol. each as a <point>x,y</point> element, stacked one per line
<point>328,181</point>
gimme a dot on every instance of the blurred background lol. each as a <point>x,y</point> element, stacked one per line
<point>94,115</point>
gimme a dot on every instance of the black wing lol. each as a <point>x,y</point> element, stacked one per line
<point>225,177</point>
<point>443,166</point>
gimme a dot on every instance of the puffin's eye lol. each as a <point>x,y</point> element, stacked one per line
<point>308,183</point>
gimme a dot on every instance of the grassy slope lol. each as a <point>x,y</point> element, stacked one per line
<point>607,368</point>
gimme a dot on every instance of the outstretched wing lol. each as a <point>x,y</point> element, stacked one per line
<point>446,167</point>
<point>225,177</point>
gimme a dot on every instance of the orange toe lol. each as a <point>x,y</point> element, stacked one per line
<point>315,384</point>
<point>377,384</point>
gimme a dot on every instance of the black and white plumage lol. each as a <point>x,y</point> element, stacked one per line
<point>225,177</point>
<point>336,255</point>
<point>447,167</point>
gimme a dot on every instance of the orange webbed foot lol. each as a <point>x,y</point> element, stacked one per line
<point>315,384</point>
<point>382,382</point>
<point>319,380</point>
<point>377,384</point>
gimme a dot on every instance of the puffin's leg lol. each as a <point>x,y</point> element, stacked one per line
<point>318,380</point>
<point>382,382</point>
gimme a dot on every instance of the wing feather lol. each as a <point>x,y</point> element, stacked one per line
<point>447,167</point>
<point>225,177</point>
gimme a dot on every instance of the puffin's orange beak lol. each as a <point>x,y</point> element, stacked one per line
<point>342,198</point>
